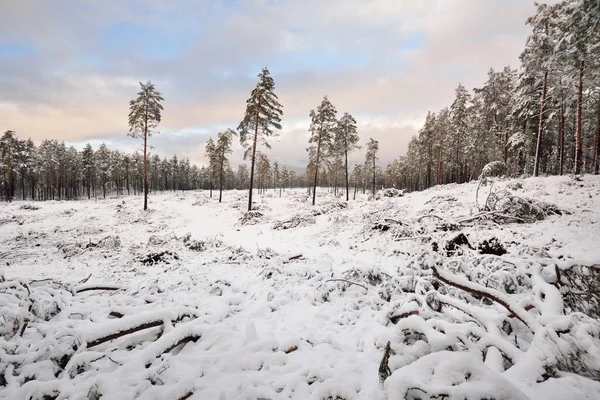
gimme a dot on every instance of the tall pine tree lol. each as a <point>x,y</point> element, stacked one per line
<point>261,120</point>
<point>322,128</point>
<point>144,117</point>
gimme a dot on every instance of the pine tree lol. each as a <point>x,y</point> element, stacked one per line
<point>223,147</point>
<point>210,150</point>
<point>104,165</point>
<point>459,111</point>
<point>8,144</point>
<point>371,158</point>
<point>322,128</point>
<point>346,139</point>
<point>144,117</point>
<point>262,118</point>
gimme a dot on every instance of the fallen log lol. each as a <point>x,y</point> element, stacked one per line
<point>90,288</point>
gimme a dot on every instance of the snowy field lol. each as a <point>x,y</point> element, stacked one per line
<point>198,300</point>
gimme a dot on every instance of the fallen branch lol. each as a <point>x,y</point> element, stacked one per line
<point>107,288</point>
<point>412,237</point>
<point>184,340</point>
<point>477,216</point>
<point>395,318</point>
<point>344,280</point>
<point>186,396</point>
<point>84,280</point>
<point>295,257</point>
<point>134,327</point>
<point>115,314</point>
<point>116,335</point>
<point>488,293</point>
<point>429,216</point>
<point>393,221</point>
<point>384,365</point>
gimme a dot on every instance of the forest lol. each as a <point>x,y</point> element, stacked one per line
<point>541,118</point>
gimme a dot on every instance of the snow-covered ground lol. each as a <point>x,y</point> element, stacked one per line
<point>237,309</point>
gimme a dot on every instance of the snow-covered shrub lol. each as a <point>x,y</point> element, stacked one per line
<point>328,208</point>
<point>389,192</point>
<point>294,222</point>
<point>251,218</point>
<point>30,207</point>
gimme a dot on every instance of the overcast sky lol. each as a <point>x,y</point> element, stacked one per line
<point>69,68</point>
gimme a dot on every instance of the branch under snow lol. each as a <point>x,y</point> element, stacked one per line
<point>488,293</point>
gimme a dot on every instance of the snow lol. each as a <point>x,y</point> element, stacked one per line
<point>297,302</point>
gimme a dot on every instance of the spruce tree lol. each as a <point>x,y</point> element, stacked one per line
<point>322,128</point>
<point>144,117</point>
<point>261,120</point>
<point>346,139</point>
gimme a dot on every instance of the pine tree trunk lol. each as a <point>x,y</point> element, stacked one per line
<point>32,182</point>
<point>578,138</point>
<point>457,166</point>
<point>23,183</point>
<point>347,182</point>
<point>597,144</point>
<point>145,165</point>
<point>538,149</point>
<point>314,193</point>
<point>561,136</point>
<point>253,157</point>
<point>440,169</point>
<point>221,177</point>
<point>373,174</point>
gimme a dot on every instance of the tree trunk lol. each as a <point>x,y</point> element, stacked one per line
<point>373,174</point>
<point>538,149</point>
<point>347,182</point>
<point>23,182</point>
<point>597,144</point>
<point>561,136</point>
<point>32,182</point>
<point>253,157</point>
<point>314,193</point>
<point>221,177</point>
<point>145,165</point>
<point>440,169</point>
<point>578,138</point>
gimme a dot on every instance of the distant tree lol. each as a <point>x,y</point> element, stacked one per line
<point>210,150</point>
<point>322,128</point>
<point>104,165</point>
<point>346,139</point>
<point>262,118</point>
<point>372,149</point>
<point>242,175</point>
<point>144,117</point>
<point>223,147</point>
<point>8,144</point>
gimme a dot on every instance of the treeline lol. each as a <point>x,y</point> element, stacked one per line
<point>53,171</point>
<point>542,118</point>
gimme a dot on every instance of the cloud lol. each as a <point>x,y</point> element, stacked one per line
<point>386,61</point>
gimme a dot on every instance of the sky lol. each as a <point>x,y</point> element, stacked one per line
<point>68,68</point>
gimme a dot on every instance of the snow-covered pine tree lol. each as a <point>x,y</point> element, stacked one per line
<point>144,116</point>
<point>346,140</point>
<point>261,120</point>
<point>459,111</point>
<point>223,147</point>
<point>210,151</point>
<point>323,125</point>
<point>371,158</point>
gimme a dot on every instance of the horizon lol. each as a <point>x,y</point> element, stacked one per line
<point>69,69</point>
